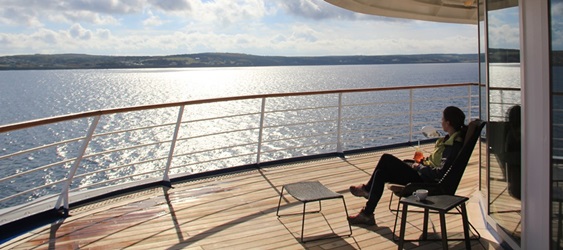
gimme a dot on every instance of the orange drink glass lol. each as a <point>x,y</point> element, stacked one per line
<point>418,155</point>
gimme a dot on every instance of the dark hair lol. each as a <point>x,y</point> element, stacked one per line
<point>455,116</point>
<point>514,128</point>
<point>513,115</point>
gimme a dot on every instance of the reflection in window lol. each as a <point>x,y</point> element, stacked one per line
<point>503,136</point>
<point>482,92</point>
<point>556,30</point>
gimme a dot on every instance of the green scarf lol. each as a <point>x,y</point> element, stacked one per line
<point>434,160</point>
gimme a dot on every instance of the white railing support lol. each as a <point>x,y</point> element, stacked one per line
<point>63,197</point>
<point>261,131</point>
<point>339,126</point>
<point>165,176</point>
<point>469,102</point>
<point>410,114</point>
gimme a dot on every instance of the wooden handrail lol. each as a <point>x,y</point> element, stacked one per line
<point>55,119</point>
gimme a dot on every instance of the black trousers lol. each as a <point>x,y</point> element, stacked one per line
<point>388,169</point>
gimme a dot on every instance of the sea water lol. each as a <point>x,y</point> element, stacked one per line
<point>36,94</point>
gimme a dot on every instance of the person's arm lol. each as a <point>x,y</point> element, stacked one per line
<point>434,174</point>
<point>450,155</point>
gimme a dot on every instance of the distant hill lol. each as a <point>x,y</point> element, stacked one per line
<point>83,61</point>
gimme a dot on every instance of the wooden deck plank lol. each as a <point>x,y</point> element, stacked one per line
<point>238,211</point>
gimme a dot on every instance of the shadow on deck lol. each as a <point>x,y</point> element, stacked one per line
<point>238,211</point>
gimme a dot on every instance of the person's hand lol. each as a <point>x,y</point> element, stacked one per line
<point>415,165</point>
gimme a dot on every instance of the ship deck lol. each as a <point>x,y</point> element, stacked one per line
<point>238,211</point>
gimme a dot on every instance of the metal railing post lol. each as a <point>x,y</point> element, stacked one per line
<point>469,102</point>
<point>261,131</point>
<point>339,126</point>
<point>64,196</point>
<point>410,114</point>
<point>166,177</point>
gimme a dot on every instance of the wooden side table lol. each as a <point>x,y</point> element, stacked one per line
<point>442,204</point>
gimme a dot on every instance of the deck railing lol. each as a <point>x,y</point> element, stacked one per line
<point>57,159</point>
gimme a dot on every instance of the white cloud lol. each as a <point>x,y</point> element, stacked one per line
<point>504,36</point>
<point>78,32</point>
<point>172,5</point>
<point>45,36</point>
<point>320,10</point>
<point>103,34</point>
<point>105,6</point>
<point>18,16</point>
<point>557,9</point>
<point>86,17</point>
<point>279,38</point>
<point>227,12</point>
<point>153,20</point>
<point>272,27</point>
<point>303,33</point>
<point>557,23</point>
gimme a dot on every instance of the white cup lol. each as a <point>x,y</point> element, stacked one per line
<point>420,194</point>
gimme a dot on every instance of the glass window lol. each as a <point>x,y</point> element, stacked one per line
<point>482,93</point>
<point>556,53</point>
<point>503,134</point>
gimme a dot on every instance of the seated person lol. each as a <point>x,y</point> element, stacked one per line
<point>513,152</point>
<point>394,170</point>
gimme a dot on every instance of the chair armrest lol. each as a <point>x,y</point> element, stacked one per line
<point>409,161</point>
<point>397,189</point>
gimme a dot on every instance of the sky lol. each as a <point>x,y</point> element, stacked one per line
<point>258,27</point>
